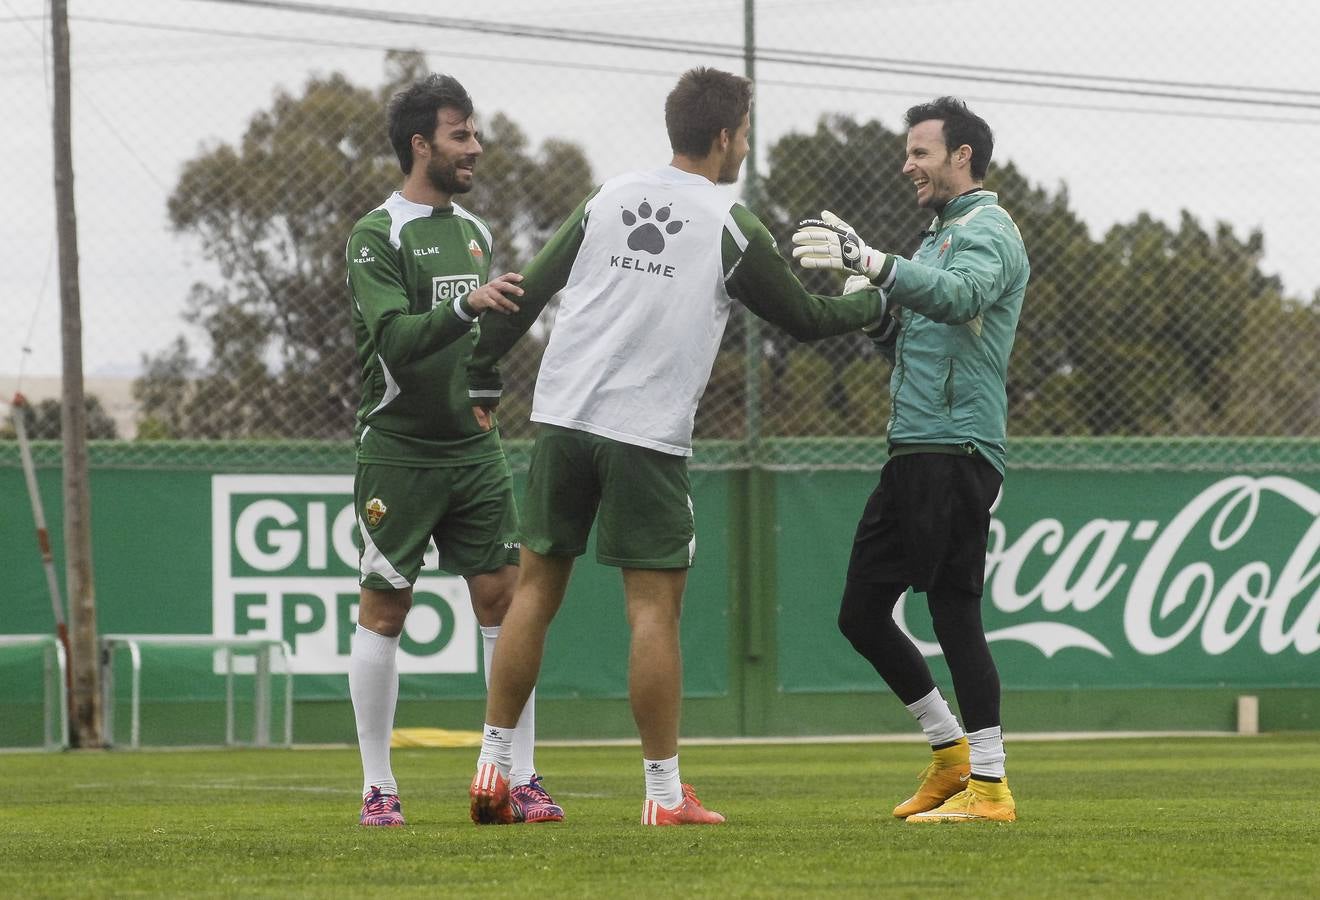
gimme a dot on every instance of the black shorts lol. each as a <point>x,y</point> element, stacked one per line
<point>926,523</point>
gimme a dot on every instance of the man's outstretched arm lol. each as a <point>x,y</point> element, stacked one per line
<point>759,277</point>
<point>542,279</point>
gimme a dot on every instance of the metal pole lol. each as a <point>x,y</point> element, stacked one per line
<point>50,699</point>
<point>43,539</point>
<point>286,654</point>
<point>135,694</point>
<point>62,660</point>
<point>261,698</point>
<point>229,696</point>
<point>83,674</point>
<point>108,689</point>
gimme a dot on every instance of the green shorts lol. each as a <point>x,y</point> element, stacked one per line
<point>643,497</point>
<point>468,510</point>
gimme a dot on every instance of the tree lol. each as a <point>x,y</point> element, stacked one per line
<point>1150,330</point>
<point>273,212</point>
<point>43,421</point>
<point>1167,327</point>
<point>1274,381</point>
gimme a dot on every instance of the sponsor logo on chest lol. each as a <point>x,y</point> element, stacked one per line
<point>448,288</point>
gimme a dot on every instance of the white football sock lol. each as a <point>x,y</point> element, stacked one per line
<point>987,752</point>
<point>524,737</point>
<point>662,782</point>
<point>373,683</point>
<point>936,719</point>
<point>496,747</point>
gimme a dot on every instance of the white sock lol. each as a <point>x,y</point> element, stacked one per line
<point>524,736</point>
<point>373,683</point>
<point>496,747</point>
<point>936,719</point>
<point>987,752</point>
<point>662,782</point>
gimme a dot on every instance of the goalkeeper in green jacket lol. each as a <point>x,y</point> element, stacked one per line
<point>953,313</point>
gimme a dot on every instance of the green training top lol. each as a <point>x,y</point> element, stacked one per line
<point>409,268</point>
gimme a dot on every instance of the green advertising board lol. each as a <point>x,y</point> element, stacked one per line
<point>1115,597</point>
<point>284,566</point>
<point>1093,580</point>
<point>272,556</point>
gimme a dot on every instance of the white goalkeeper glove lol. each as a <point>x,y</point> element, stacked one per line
<point>831,243</point>
<point>884,329</point>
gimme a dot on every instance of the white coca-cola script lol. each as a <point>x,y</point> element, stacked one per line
<point>1274,600</point>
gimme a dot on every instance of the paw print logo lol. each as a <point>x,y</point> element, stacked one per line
<point>364,253</point>
<point>647,236</point>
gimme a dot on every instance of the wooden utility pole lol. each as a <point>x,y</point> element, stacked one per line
<point>85,729</point>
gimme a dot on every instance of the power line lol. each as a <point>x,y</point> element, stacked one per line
<point>633,70</point>
<point>357,45</point>
<point>994,75</point>
<point>96,111</point>
<point>1049,104</point>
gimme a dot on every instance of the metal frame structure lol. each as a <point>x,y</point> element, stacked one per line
<point>54,662</point>
<point>265,653</point>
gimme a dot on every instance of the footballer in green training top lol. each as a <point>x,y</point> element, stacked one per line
<point>428,467</point>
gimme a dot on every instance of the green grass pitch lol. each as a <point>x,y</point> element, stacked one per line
<point>1187,817</point>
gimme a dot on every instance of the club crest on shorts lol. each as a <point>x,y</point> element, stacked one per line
<point>375,511</point>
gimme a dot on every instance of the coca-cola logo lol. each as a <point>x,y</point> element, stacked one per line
<point>1190,581</point>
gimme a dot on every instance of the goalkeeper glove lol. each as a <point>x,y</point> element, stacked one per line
<point>831,243</point>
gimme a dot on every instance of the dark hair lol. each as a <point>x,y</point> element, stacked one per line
<point>961,126</point>
<point>702,103</point>
<point>412,111</point>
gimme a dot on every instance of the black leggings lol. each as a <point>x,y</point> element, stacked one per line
<point>866,618</point>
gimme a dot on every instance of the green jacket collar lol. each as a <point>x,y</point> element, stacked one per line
<point>961,205</point>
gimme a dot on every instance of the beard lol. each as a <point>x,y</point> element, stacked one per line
<point>444,177</point>
<point>729,173</point>
<point>940,192</point>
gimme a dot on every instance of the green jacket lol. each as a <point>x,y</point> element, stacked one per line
<point>961,295</point>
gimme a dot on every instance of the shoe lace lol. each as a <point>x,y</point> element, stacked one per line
<point>377,803</point>
<point>534,787</point>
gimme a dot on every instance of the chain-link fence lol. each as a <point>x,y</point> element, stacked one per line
<point>223,150</point>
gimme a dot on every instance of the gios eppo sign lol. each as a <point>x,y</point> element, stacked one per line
<point>1192,583</point>
<point>285,567</point>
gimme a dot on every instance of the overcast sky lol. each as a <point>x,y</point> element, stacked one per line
<point>156,81</point>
